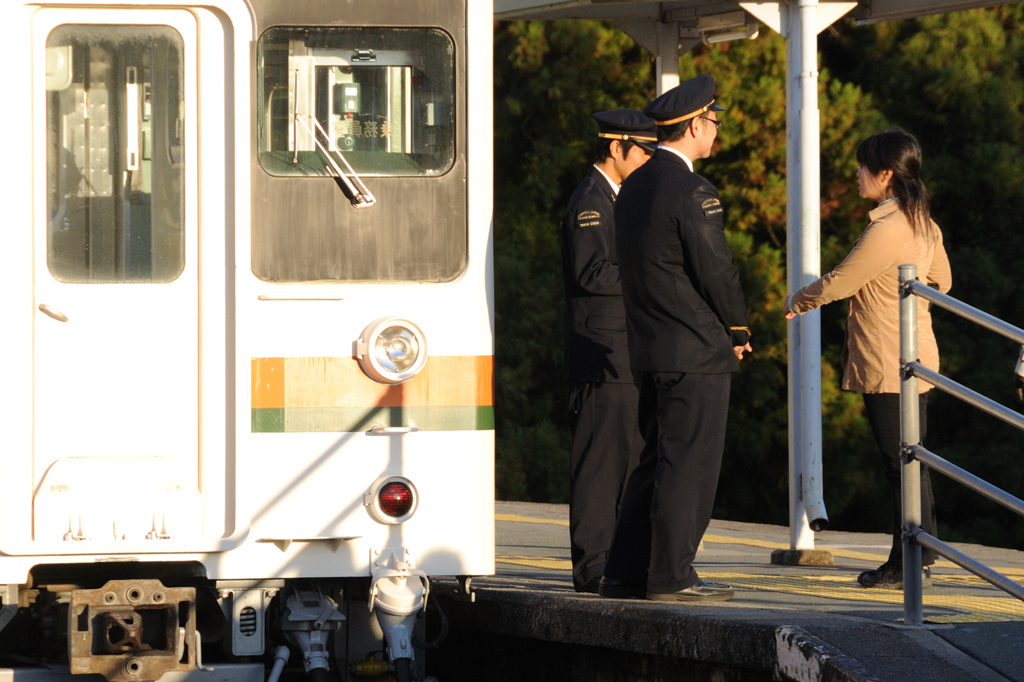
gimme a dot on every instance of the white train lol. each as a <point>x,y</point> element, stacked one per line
<point>249,329</point>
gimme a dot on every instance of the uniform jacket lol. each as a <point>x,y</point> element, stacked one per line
<point>595,325</point>
<point>685,309</point>
<point>870,274</point>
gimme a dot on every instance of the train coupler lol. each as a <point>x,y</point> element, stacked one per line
<point>308,619</point>
<point>132,630</point>
<point>398,592</point>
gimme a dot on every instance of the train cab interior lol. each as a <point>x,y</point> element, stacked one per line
<point>383,97</point>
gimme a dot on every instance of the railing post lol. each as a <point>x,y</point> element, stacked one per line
<point>910,434</point>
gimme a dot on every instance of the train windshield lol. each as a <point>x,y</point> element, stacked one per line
<point>115,166</point>
<point>382,97</point>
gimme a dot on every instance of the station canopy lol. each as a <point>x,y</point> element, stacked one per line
<point>717,20</point>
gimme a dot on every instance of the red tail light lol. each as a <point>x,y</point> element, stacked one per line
<point>391,499</point>
<point>395,499</point>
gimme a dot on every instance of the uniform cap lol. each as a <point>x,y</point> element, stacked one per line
<point>685,101</point>
<point>627,124</point>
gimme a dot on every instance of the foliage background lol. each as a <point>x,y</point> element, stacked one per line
<point>954,81</point>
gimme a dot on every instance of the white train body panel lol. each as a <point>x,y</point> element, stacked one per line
<point>130,393</point>
<point>174,393</point>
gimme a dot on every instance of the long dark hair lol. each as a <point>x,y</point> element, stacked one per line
<point>899,152</point>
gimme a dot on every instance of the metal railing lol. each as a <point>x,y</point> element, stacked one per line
<point>913,453</point>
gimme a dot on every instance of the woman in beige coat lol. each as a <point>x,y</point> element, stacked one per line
<point>901,231</point>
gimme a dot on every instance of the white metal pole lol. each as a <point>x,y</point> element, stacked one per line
<point>800,535</point>
<point>810,266</point>
<point>667,61</point>
<point>803,220</point>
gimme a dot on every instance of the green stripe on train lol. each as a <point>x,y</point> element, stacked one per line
<point>354,419</point>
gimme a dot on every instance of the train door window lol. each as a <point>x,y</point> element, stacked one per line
<point>115,163</point>
<point>383,97</point>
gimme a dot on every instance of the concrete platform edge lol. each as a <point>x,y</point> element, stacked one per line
<point>745,639</point>
<point>802,656</point>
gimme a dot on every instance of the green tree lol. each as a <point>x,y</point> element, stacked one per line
<point>955,81</point>
<point>549,79</point>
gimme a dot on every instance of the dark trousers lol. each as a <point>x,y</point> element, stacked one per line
<point>667,503</point>
<point>883,413</point>
<point>606,446</point>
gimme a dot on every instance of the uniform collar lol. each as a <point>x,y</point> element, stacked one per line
<point>678,153</point>
<point>883,210</point>
<point>615,188</point>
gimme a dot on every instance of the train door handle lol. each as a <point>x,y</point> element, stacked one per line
<point>52,312</point>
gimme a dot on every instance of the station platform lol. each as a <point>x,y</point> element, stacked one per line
<point>785,623</point>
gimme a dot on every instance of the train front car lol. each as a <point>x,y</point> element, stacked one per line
<point>249,293</point>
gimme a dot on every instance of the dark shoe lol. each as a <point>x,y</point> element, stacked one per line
<point>873,577</point>
<point>590,586</point>
<point>618,589</point>
<point>700,591</point>
<point>885,577</point>
<point>870,578</point>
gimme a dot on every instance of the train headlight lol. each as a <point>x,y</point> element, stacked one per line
<point>391,499</point>
<point>392,350</point>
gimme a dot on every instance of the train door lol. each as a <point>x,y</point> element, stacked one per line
<point>116,284</point>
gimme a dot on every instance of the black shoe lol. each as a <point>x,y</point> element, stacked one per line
<point>618,589</point>
<point>700,591</point>
<point>871,578</point>
<point>886,577</point>
<point>875,576</point>
<point>590,586</point>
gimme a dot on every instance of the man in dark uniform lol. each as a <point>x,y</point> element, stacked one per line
<point>602,397</point>
<point>687,329</point>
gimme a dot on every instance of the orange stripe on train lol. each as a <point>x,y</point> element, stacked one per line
<point>446,381</point>
<point>267,382</point>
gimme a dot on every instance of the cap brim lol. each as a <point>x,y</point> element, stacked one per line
<point>715,107</point>
<point>649,147</point>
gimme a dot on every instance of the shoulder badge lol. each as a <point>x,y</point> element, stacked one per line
<point>711,207</point>
<point>588,218</point>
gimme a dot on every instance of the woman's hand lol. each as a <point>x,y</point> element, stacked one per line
<point>786,311</point>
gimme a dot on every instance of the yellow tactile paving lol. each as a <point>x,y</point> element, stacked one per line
<point>972,609</point>
<point>536,562</point>
<point>751,542</point>
<point>765,544</point>
<point>529,519</point>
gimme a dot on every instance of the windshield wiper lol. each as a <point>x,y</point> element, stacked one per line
<point>361,196</point>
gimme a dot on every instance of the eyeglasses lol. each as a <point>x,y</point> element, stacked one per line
<point>718,124</point>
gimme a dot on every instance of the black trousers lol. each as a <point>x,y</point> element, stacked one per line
<point>606,446</point>
<point>883,413</point>
<point>668,500</point>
